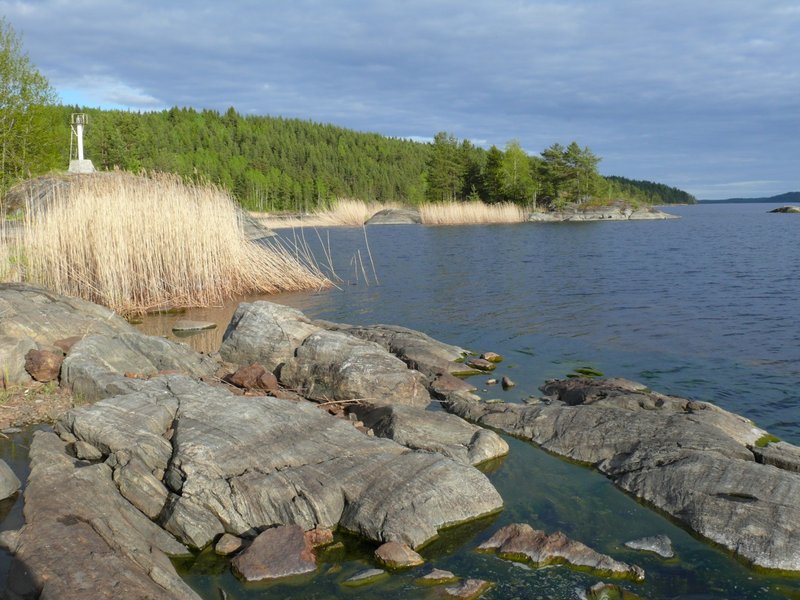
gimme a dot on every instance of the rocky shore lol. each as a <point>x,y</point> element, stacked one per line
<point>300,427</point>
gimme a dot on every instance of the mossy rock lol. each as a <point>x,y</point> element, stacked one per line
<point>766,440</point>
<point>588,372</point>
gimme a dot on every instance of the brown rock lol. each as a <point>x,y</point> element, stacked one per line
<point>319,537</point>
<point>481,364</point>
<point>228,544</point>
<point>438,577</point>
<point>397,556</point>
<point>66,344</point>
<point>278,552</point>
<point>43,365</point>
<point>507,383</point>
<point>445,383</point>
<point>468,590</point>
<point>254,376</point>
<point>521,542</point>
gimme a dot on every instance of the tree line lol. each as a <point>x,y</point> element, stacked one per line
<point>274,163</point>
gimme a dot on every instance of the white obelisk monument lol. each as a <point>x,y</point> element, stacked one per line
<point>78,164</point>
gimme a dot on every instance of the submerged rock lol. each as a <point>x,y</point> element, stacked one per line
<point>521,542</point>
<point>397,556</point>
<point>690,459</point>
<point>9,483</point>
<point>659,544</point>
<point>365,577</point>
<point>468,589</point>
<point>609,591</point>
<point>187,325</point>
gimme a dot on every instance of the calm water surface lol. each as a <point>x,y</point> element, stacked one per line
<point>704,307</point>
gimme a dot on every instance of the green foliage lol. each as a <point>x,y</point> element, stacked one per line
<point>27,144</point>
<point>767,439</point>
<point>446,168</point>
<point>647,192</point>
<point>516,178</point>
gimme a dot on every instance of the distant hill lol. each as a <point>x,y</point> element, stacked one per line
<point>786,198</point>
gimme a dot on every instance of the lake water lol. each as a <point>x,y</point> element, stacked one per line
<point>705,307</point>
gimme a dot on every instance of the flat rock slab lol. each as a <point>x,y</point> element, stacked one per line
<point>82,539</point>
<point>239,464</point>
<point>469,589</point>
<point>397,556</point>
<point>690,459</point>
<point>521,542</point>
<point>187,325</point>
<point>365,577</point>
<point>658,544</point>
<point>276,553</point>
<point>440,432</point>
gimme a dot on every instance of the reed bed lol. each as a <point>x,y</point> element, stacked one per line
<point>136,243</point>
<point>471,213</point>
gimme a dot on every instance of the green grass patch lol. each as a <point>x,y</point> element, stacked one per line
<point>766,440</point>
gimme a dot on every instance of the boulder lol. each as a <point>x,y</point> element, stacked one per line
<point>228,544</point>
<point>264,333</point>
<point>43,365</point>
<point>397,556</point>
<point>437,577</point>
<point>96,366</point>
<point>430,431</point>
<point>319,536</point>
<point>445,384</point>
<point>365,577</point>
<point>12,360</point>
<point>658,544</point>
<point>507,383</point>
<point>331,365</point>
<point>254,377</point>
<point>418,350</point>
<point>395,216</point>
<point>82,539</point>
<point>521,542</point>
<point>276,553</point>
<point>85,451</point>
<point>9,482</point>
<point>690,459</point>
<point>239,464</point>
<point>492,357</point>
<point>609,591</point>
<point>481,364</point>
<point>786,209</point>
<point>469,589</point>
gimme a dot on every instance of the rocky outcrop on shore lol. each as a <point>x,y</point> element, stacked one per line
<point>608,213</point>
<point>786,209</point>
<point>691,459</point>
<point>395,216</point>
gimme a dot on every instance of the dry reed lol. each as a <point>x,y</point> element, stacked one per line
<point>470,213</point>
<point>135,243</point>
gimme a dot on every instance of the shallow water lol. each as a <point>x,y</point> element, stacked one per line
<point>704,307</point>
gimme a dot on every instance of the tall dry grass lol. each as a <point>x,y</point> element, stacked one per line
<point>134,243</point>
<point>471,213</point>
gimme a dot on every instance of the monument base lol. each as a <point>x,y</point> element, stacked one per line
<point>81,166</point>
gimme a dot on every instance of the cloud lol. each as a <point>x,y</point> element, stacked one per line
<point>680,92</point>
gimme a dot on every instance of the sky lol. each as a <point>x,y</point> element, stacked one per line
<point>703,95</point>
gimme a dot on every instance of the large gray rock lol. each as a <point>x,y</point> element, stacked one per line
<point>96,366</point>
<point>786,209</point>
<point>9,482</point>
<point>81,539</point>
<point>332,365</point>
<point>609,213</point>
<point>239,464</point>
<point>521,542</point>
<point>440,432</point>
<point>418,350</point>
<point>12,360</point>
<point>690,459</point>
<point>395,216</point>
<point>264,333</point>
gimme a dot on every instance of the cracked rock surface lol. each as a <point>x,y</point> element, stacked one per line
<point>691,459</point>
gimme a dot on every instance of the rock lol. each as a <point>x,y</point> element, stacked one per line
<point>332,365</point>
<point>251,228</point>
<point>492,357</point>
<point>480,364</point>
<point>608,591</point>
<point>264,333</point>
<point>96,366</point>
<point>468,589</point>
<point>491,381</point>
<point>660,544</point>
<point>66,344</point>
<point>141,488</point>
<point>433,432</point>
<point>437,577</point>
<point>445,384</point>
<point>254,377</point>
<point>12,360</point>
<point>81,539</point>
<point>786,209</point>
<point>187,325</point>
<point>609,213</point>
<point>9,540</point>
<point>419,351</point>
<point>85,451</point>
<point>521,542</point>
<point>395,216</point>
<point>240,464</point>
<point>228,544</point>
<point>779,454</point>
<point>43,365</point>
<point>397,556</point>
<point>9,483</point>
<point>507,383</point>
<point>690,459</point>
<point>319,537</point>
<point>278,552</point>
<point>365,577</point>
